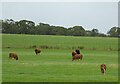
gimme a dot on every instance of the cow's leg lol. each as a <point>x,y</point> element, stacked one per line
<point>36,53</point>
<point>9,57</point>
<point>104,71</point>
<point>72,59</point>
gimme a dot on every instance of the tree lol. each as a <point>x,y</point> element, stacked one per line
<point>9,26</point>
<point>77,31</point>
<point>29,27</point>
<point>94,32</point>
<point>43,29</point>
<point>25,26</point>
<point>114,32</point>
<point>58,30</point>
<point>88,33</point>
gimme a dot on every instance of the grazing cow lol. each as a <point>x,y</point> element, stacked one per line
<point>103,68</point>
<point>73,54</point>
<point>76,56</point>
<point>37,50</point>
<point>13,55</point>
<point>77,51</point>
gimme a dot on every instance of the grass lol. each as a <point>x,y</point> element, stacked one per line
<point>67,42</point>
<point>54,64</point>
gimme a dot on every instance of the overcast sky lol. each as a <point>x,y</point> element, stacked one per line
<point>100,15</point>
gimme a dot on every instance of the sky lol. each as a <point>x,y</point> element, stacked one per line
<point>99,15</point>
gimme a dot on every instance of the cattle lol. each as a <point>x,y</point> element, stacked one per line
<point>37,50</point>
<point>73,54</point>
<point>76,56</point>
<point>103,68</point>
<point>13,55</point>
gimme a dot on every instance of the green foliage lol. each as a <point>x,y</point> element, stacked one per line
<point>29,27</point>
<point>94,32</point>
<point>78,31</point>
<point>114,32</point>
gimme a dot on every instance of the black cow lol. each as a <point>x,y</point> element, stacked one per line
<point>77,51</point>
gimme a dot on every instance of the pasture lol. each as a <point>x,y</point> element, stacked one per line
<point>54,63</point>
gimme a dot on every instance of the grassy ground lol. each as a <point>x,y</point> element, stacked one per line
<point>54,63</point>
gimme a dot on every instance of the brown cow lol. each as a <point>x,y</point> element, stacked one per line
<point>103,68</point>
<point>13,55</point>
<point>37,50</point>
<point>76,56</point>
<point>73,54</point>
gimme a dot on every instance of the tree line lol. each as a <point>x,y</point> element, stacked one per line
<point>10,26</point>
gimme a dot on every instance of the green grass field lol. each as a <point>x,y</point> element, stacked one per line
<point>55,64</point>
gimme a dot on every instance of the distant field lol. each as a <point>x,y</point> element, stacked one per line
<point>54,63</point>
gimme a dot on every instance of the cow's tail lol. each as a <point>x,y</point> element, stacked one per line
<point>81,57</point>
